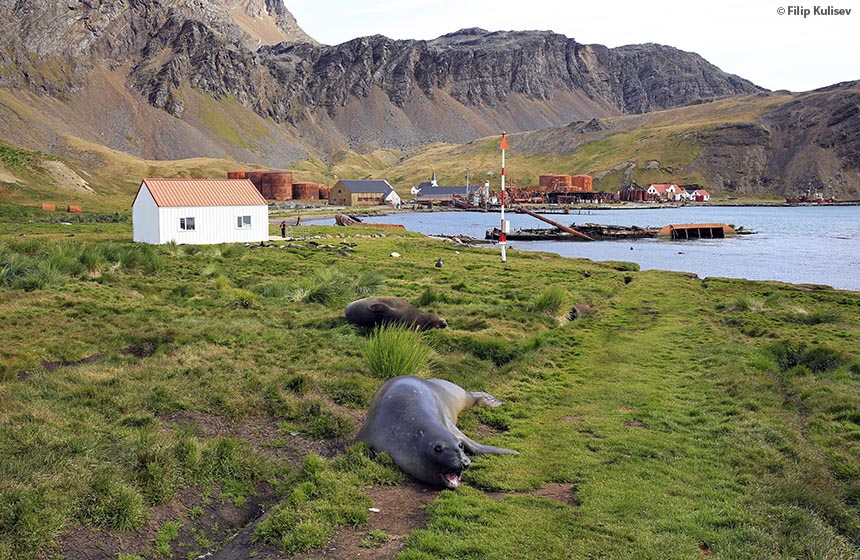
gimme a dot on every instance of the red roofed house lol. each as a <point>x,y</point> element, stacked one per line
<point>670,192</point>
<point>199,212</point>
<point>699,195</point>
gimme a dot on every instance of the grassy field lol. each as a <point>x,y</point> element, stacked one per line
<point>144,387</point>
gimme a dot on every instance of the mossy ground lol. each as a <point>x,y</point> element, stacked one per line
<point>689,417</point>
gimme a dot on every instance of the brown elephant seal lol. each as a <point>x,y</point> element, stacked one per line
<point>414,421</point>
<point>373,311</point>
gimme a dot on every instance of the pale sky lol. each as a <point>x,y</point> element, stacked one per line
<point>750,38</point>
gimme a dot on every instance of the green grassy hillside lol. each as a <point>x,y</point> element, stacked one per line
<point>145,389</point>
<point>655,147</point>
<point>671,138</point>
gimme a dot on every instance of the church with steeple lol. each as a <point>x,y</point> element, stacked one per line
<point>429,192</point>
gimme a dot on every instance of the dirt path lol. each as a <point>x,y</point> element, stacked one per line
<point>401,510</point>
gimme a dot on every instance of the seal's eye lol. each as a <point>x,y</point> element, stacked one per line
<point>437,448</point>
<point>460,445</point>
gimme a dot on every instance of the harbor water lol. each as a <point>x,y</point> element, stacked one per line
<point>798,244</point>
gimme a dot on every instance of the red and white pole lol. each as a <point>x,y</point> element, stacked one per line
<point>503,236</point>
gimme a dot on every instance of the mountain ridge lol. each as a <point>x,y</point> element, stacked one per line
<point>213,47</point>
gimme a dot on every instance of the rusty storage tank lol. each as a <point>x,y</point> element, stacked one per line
<point>256,177</point>
<point>237,174</point>
<point>582,183</point>
<point>49,207</point>
<point>71,208</point>
<point>554,180</point>
<point>306,191</point>
<point>325,192</point>
<point>278,185</point>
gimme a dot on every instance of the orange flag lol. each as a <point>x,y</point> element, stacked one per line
<point>504,145</point>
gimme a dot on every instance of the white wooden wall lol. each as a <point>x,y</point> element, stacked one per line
<point>212,224</point>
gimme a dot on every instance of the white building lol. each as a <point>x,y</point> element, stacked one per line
<point>392,198</point>
<point>665,192</point>
<point>199,212</point>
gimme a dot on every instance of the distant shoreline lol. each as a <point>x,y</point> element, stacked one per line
<point>324,213</point>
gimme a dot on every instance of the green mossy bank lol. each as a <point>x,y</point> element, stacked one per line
<point>689,417</point>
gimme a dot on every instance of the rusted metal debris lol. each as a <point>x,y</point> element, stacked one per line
<point>344,220</point>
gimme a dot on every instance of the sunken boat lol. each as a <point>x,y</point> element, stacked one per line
<point>600,232</point>
<point>347,220</point>
<point>596,232</point>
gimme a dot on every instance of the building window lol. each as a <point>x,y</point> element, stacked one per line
<point>243,222</point>
<point>186,224</point>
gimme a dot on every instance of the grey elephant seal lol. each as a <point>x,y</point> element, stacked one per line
<point>373,311</point>
<point>414,421</point>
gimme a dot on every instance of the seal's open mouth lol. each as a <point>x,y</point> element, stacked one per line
<point>452,479</point>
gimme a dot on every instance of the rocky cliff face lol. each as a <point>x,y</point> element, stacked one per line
<point>476,68</point>
<point>253,51</point>
<point>51,45</point>
<point>811,143</point>
<point>816,142</point>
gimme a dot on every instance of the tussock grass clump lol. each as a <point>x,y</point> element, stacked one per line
<point>112,504</point>
<point>550,301</point>
<point>802,317</point>
<point>238,298</point>
<point>231,250</point>
<point>745,302</point>
<point>332,286</point>
<point>27,520</point>
<point>23,269</point>
<point>323,496</point>
<point>325,286</point>
<point>278,289</point>
<point>37,265</point>
<point>156,468</point>
<point>817,359</point>
<point>428,296</point>
<point>227,459</point>
<point>368,282</point>
<point>393,350</point>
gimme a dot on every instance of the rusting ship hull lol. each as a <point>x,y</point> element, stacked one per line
<point>344,220</point>
<point>595,232</point>
<point>696,231</point>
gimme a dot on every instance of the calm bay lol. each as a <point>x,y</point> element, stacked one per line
<point>799,244</point>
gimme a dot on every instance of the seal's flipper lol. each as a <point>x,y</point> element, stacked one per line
<point>472,447</point>
<point>379,307</point>
<point>475,448</point>
<point>485,399</point>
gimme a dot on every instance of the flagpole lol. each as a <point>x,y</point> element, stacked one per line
<point>503,230</point>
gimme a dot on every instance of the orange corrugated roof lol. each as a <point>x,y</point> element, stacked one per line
<point>204,192</point>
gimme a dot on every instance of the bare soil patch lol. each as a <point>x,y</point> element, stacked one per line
<point>262,433</point>
<point>401,511</point>
<point>65,178</point>
<point>214,522</point>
